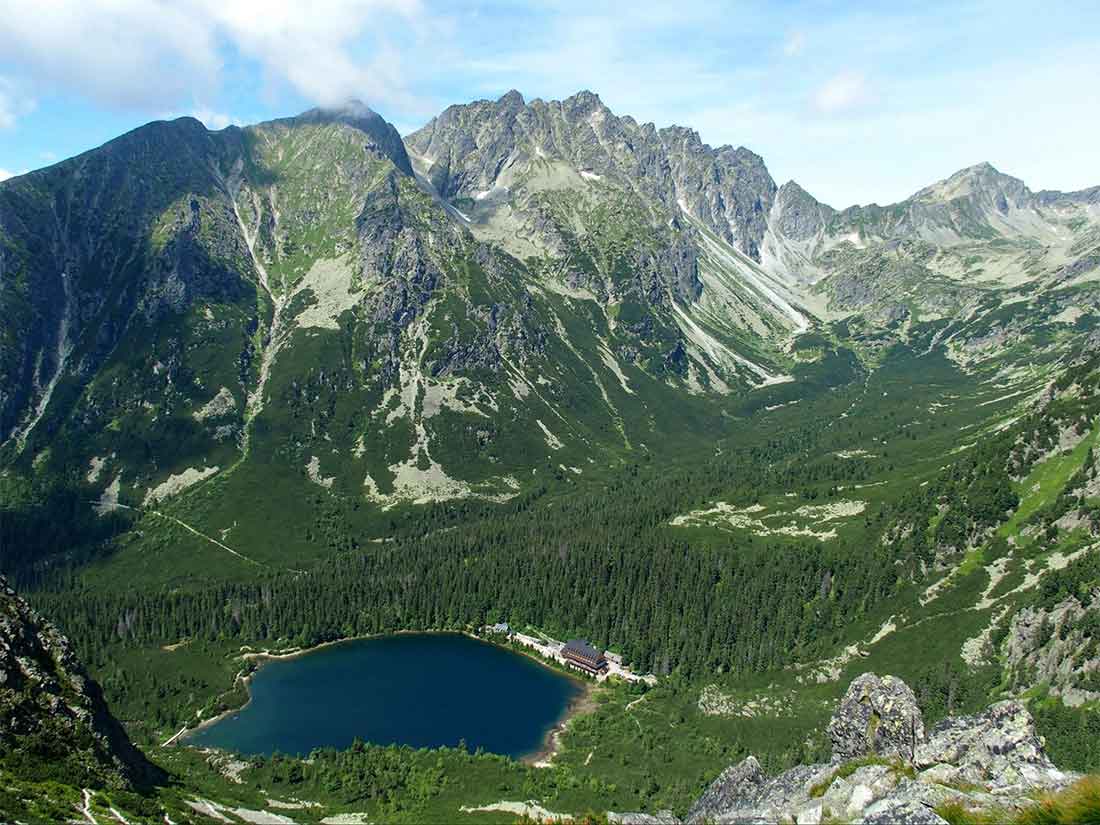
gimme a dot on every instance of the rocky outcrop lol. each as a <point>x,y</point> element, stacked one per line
<point>998,749</point>
<point>887,769</point>
<point>52,713</point>
<point>974,203</point>
<point>797,215</point>
<point>878,717</point>
<point>734,782</point>
<point>659,818</point>
<point>1056,645</point>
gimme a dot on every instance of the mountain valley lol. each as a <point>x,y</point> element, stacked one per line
<point>269,387</point>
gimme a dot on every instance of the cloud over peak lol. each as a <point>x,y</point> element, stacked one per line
<point>153,55</point>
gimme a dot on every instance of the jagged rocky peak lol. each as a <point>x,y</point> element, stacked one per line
<point>512,99</point>
<point>887,768</point>
<point>798,215</point>
<point>355,113</point>
<point>484,147</point>
<point>979,182</point>
<point>52,711</point>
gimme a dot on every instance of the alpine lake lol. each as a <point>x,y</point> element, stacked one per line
<point>424,690</point>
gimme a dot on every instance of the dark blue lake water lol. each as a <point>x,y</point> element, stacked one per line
<point>423,690</point>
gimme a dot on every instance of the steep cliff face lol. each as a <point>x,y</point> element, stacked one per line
<point>53,720</point>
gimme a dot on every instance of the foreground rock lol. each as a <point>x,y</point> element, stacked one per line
<point>886,768</point>
<point>998,748</point>
<point>877,716</point>
<point>51,713</point>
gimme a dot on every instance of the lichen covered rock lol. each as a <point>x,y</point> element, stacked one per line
<point>997,748</point>
<point>887,769</point>
<point>734,783</point>
<point>876,716</point>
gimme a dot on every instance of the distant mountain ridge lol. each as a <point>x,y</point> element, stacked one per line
<point>516,291</point>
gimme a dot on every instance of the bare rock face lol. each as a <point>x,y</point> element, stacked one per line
<point>900,810</point>
<point>659,818</point>
<point>876,717</point>
<point>51,712</point>
<point>997,748</point>
<point>472,149</point>
<point>734,783</point>
<point>797,215</point>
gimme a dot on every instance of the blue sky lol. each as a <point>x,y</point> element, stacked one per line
<point>857,103</point>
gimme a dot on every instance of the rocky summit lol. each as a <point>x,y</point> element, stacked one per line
<point>886,769</point>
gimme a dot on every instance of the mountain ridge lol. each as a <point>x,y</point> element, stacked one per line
<point>207,293</point>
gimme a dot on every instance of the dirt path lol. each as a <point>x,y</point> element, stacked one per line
<point>175,736</point>
<point>191,529</point>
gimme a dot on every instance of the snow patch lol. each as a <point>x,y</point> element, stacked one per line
<point>590,175</point>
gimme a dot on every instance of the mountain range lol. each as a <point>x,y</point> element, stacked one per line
<point>515,290</point>
<point>267,387</point>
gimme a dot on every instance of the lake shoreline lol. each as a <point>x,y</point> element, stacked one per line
<point>582,703</point>
<point>585,702</point>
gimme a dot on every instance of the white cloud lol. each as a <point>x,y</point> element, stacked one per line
<point>13,104</point>
<point>215,120</point>
<point>5,174</point>
<point>153,54</point>
<point>842,92</point>
<point>794,44</point>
